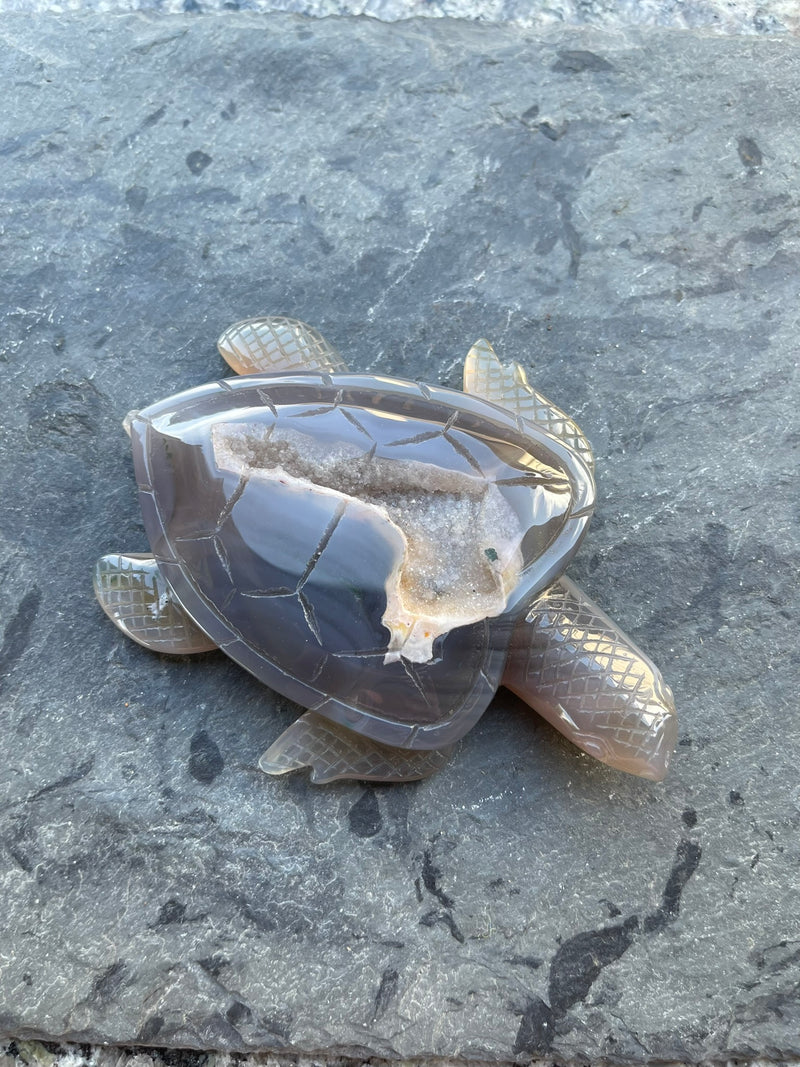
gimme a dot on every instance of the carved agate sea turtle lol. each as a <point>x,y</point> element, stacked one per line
<point>386,554</point>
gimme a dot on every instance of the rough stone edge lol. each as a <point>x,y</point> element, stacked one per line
<point>540,31</point>
<point>744,17</point>
<point>19,1053</point>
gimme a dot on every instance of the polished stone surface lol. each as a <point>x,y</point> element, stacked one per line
<point>616,210</point>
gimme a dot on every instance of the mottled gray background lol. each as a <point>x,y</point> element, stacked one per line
<point>617,209</point>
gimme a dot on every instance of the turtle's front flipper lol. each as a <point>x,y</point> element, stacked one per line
<point>275,345</point>
<point>506,384</point>
<point>134,595</point>
<point>332,751</point>
<point>571,664</point>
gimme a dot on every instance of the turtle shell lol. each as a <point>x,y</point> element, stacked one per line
<point>363,545</point>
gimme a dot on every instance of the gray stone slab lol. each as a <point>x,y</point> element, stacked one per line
<point>618,211</point>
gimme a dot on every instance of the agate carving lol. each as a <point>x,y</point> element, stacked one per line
<point>383,553</point>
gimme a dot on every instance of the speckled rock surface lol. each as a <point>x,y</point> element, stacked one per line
<point>616,210</point>
<point>718,16</point>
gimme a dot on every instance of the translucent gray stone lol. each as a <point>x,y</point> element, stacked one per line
<point>291,581</point>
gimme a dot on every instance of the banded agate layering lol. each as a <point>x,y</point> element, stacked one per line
<point>384,553</point>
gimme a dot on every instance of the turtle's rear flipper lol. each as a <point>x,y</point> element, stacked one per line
<point>333,751</point>
<point>275,345</point>
<point>570,662</point>
<point>507,384</point>
<point>134,595</point>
